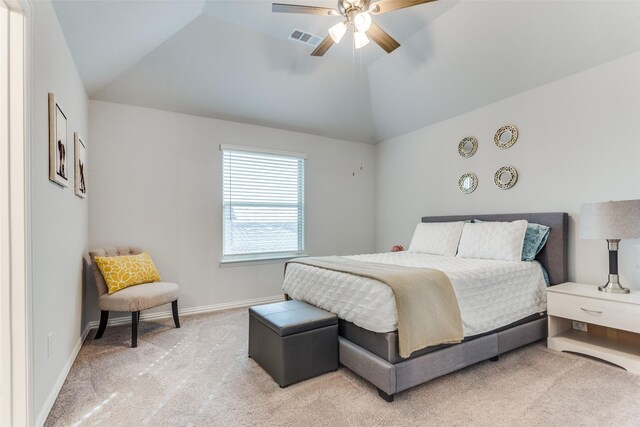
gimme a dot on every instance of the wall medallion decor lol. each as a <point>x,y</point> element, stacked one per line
<point>468,183</point>
<point>468,146</point>
<point>80,162</point>
<point>505,177</point>
<point>506,136</point>
<point>58,147</point>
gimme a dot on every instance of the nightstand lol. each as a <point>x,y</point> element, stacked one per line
<point>618,317</point>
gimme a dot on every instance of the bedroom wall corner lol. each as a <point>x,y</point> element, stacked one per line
<point>577,144</point>
<point>59,219</point>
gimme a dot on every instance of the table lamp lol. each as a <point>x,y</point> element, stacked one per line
<point>612,221</point>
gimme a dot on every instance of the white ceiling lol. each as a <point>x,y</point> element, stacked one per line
<point>232,60</point>
<point>107,37</point>
<point>259,80</point>
<point>484,51</point>
<point>257,16</point>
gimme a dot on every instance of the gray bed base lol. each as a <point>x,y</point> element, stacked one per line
<point>392,378</point>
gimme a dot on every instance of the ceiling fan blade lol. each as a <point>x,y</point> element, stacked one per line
<point>384,6</point>
<point>382,38</point>
<point>323,47</point>
<point>298,8</point>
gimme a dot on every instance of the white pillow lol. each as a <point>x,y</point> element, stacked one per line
<point>493,240</point>
<point>437,238</point>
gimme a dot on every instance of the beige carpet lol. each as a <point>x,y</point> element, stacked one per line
<point>200,375</point>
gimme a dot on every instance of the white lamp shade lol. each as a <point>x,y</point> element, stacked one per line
<point>360,39</point>
<point>362,21</point>
<point>610,220</point>
<point>337,31</point>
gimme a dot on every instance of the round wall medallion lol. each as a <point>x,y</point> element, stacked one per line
<point>468,146</point>
<point>506,136</point>
<point>505,177</point>
<point>468,183</point>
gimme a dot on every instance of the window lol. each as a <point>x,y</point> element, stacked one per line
<point>263,204</point>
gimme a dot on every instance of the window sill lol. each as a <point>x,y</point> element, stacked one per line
<point>238,261</point>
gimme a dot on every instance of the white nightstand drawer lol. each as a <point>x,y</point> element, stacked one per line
<point>603,312</point>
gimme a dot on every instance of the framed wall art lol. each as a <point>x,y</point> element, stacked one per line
<point>80,169</point>
<point>58,146</point>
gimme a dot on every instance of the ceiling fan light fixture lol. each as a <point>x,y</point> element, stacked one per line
<point>356,12</point>
<point>360,39</point>
<point>362,21</point>
<point>337,31</point>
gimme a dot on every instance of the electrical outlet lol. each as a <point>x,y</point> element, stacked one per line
<point>49,344</point>
<point>580,326</point>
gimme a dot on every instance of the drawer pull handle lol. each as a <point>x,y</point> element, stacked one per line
<point>591,311</point>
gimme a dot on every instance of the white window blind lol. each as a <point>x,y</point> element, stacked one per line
<point>263,204</point>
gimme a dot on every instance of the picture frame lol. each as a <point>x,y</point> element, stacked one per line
<point>58,144</point>
<point>80,162</point>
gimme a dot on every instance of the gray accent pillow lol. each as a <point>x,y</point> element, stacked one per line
<point>534,240</point>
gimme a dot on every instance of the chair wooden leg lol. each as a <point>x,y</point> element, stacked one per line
<point>174,309</point>
<point>135,318</point>
<point>104,317</point>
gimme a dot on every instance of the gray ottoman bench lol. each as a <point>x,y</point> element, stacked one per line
<point>293,341</point>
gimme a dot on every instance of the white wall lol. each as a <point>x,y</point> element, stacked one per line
<point>156,177</point>
<point>59,219</point>
<point>579,142</point>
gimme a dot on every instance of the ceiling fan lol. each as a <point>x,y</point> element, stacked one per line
<point>357,13</point>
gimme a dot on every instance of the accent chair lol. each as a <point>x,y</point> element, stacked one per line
<point>132,299</point>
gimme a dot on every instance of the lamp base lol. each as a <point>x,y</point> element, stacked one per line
<point>613,286</point>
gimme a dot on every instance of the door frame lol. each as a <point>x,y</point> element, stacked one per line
<point>16,355</point>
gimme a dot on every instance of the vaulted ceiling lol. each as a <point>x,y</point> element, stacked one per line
<point>232,59</point>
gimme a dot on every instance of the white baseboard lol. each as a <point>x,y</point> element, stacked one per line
<point>48,404</point>
<point>126,320</point>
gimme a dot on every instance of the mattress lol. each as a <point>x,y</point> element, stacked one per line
<point>491,293</point>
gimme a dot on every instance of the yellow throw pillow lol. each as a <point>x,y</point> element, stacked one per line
<point>120,272</point>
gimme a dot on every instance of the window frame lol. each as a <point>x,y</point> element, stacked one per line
<point>262,257</point>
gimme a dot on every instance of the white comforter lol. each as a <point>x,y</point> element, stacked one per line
<point>491,294</point>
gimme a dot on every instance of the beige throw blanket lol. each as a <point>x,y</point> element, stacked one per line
<point>427,307</point>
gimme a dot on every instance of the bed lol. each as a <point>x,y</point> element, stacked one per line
<point>368,339</point>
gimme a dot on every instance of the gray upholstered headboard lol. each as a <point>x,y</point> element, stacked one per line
<point>554,254</point>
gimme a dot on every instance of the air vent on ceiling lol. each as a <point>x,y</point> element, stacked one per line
<point>304,37</point>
